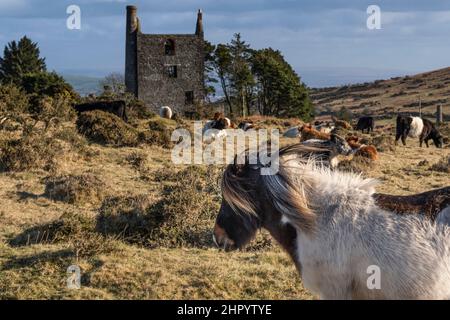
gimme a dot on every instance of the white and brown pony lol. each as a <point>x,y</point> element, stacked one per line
<point>216,128</point>
<point>332,227</point>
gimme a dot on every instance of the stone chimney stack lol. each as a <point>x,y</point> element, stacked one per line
<point>199,29</point>
<point>131,50</point>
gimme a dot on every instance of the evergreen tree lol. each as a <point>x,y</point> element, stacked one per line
<point>242,81</point>
<point>280,91</point>
<point>20,59</point>
<point>222,67</point>
<point>210,80</point>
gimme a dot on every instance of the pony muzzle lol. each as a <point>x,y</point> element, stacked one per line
<point>222,240</point>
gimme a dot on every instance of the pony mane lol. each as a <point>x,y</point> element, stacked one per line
<point>283,190</point>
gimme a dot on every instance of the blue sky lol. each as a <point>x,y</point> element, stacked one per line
<point>327,41</point>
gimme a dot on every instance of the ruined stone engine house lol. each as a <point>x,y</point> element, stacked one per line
<point>164,69</point>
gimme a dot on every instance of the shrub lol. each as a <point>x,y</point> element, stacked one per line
<point>76,231</point>
<point>45,84</point>
<point>126,216</point>
<point>75,189</point>
<point>12,99</point>
<point>71,136</point>
<point>53,110</point>
<point>184,216</point>
<point>29,152</point>
<point>136,109</point>
<point>159,133</point>
<point>105,128</point>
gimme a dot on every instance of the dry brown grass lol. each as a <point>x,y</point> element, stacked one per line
<point>121,258</point>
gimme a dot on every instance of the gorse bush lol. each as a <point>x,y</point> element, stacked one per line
<point>29,152</point>
<point>71,136</point>
<point>106,128</point>
<point>12,100</point>
<point>158,133</point>
<point>184,217</point>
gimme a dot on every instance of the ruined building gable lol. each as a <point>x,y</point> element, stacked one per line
<point>164,69</point>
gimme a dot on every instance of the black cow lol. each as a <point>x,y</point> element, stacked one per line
<point>365,123</point>
<point>115,107</point>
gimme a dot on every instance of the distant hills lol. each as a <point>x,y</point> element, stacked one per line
<point>383,97</point>
<point>84,85</point>
<point>380,97</point>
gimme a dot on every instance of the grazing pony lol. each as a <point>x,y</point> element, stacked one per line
<point>342,124</point>
<point>330,224</point>
<point>165,112</point>
<point>365,123</point>
<point>331,151</point>
<point>307,132</point>
<point>215,129</point>
<point>416,127</point>
<point>434,204</point>
<point>365,151</point>
<point>246,126</point>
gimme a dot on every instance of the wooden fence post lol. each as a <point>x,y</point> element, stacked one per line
<point>439,116</point>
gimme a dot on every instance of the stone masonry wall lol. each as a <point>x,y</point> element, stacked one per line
<point>155,87</point>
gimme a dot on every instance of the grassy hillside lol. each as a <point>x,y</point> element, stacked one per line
<point>140,227</point>
<point>389,96</point>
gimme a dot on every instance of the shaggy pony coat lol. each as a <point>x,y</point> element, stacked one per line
<point>365,151</point>
<point>307,132</point>
<point>340,239</point>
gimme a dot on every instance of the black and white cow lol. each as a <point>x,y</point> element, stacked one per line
<point>416,127</point>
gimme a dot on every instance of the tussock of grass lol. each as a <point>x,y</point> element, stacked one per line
<point>137,159</point>
<point>75,189</point>
<point>442,165</point>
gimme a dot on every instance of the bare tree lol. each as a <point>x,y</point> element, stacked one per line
<point>114,83</point>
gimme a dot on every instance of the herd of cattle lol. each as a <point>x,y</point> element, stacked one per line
<point>407,126</point>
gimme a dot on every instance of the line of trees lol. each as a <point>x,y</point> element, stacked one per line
<point>260,80</point>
